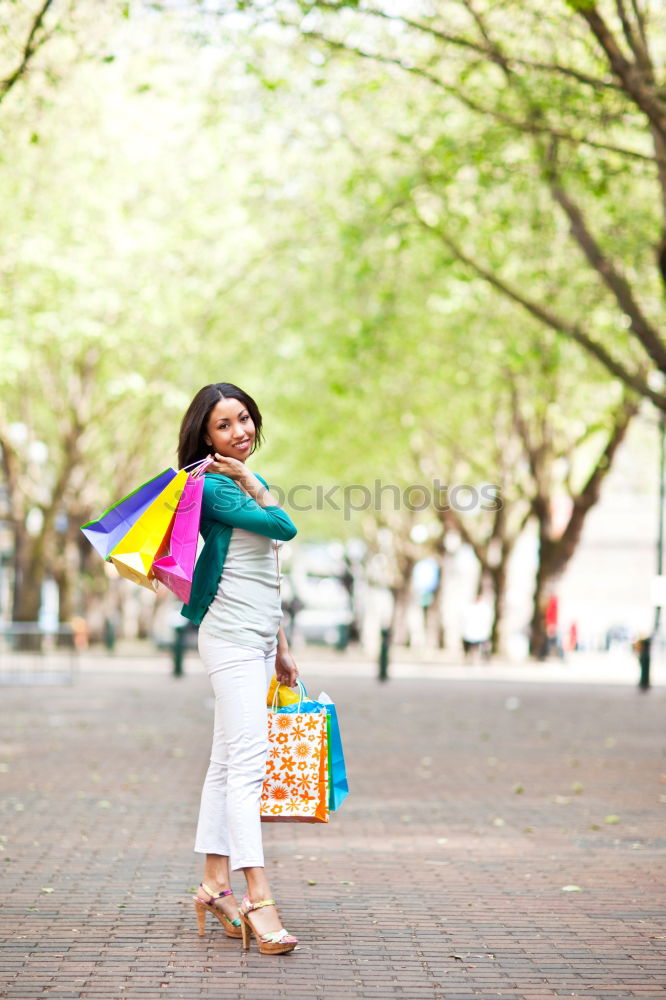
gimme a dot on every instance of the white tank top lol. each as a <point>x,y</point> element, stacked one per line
<point>246,609</point>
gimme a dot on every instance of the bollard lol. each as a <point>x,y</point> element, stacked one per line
<point>343,638</point>
<point>178,649</point>
<point>109,635</point>
<point>385,634</point>
<point>644,654</point>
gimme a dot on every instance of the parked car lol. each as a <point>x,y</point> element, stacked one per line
<point>326,613</point>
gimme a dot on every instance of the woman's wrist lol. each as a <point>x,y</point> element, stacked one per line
<point>282,644</point>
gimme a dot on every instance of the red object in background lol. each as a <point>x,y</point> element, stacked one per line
<point>551,616</point>
<point>573,637</point>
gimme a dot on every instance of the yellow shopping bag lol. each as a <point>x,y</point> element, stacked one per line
<point>135,554</point>
<point>285,694</point>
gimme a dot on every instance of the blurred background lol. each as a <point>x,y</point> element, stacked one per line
<point>428,238</point>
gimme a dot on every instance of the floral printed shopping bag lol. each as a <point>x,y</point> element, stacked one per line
<point>290,701</point>
<point>295,788</point>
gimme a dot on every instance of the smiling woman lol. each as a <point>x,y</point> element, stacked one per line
<point>220,416</point>
<point>236,600</point>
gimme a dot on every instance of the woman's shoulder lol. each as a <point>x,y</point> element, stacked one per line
<point>219,488</point>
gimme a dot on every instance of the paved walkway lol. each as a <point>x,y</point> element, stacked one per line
<point>477,806</point>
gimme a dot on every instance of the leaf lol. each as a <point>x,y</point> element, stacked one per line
<point>311,881</point>
<point>47,890</point>
<point>571,888</point>
<point>611,820</point>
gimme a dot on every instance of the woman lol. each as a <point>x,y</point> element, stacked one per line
<point>236,600</point>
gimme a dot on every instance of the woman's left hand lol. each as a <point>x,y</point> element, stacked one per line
<point>286,670</point>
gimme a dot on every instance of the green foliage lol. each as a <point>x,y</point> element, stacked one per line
<point>196,202</point>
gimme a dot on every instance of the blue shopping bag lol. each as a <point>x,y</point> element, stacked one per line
<point>338,786</point>
<point>111,527</point>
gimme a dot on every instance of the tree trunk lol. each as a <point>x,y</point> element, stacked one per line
<point>538,638</point>
<point>28,577</point>
<point>498,579</point>
<point>401,597</point>
<point>27,597</point>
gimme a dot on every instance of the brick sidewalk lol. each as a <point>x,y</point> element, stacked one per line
<point>441,877</point>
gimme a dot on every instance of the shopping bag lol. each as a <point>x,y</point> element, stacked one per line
<point>295,788</point>
<point>107,530</point>
<point>338,786</point>
<point>176,567</point>
<point>133,556</point>
<point>285,694</point>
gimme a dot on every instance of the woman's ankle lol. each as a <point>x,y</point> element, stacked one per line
<point>215,883</point>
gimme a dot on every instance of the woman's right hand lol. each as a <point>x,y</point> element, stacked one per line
<point>225,466</point>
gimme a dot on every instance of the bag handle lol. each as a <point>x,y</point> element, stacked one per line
<point>301,691</point>
<point>201,468</point>
<point>198,467</point>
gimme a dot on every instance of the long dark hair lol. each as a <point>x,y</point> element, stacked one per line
<point>191,444</point>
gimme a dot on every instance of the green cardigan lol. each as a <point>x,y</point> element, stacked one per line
<point>226,506</point>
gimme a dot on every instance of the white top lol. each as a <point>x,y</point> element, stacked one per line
<point>246,609</point>
<point>477,622</point>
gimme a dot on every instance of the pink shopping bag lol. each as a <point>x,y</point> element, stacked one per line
<point>175,568</point>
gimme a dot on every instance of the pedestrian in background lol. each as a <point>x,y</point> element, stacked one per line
<point>477,621</point>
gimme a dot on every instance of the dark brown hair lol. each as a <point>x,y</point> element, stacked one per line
<point>191,444</point>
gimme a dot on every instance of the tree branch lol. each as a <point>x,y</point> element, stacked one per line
<point>628,73</point>
<point>640,23</point>
<point>31,45</point>
<point>635,41</point>
<point>610,275</point>
<point>589,494</point>
<point>467,43</point>
<point>528,127</point>
<point>633,380</point>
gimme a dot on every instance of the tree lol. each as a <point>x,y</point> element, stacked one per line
<point>31,35</point>
<point>575,95</point>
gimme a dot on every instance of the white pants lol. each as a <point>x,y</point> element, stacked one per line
<point>229,820</point>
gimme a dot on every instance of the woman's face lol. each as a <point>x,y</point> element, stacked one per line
<point>230,429</point>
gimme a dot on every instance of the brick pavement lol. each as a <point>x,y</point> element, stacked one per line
<point>441,877</point>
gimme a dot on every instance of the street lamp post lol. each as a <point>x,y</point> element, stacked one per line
<point>650,643</point>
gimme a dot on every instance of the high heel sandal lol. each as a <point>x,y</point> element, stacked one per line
<point>274,942</point>
<point>232,928</point>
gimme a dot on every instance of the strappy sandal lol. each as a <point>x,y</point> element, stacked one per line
<point>232,928</point>
<point>274,942</point>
